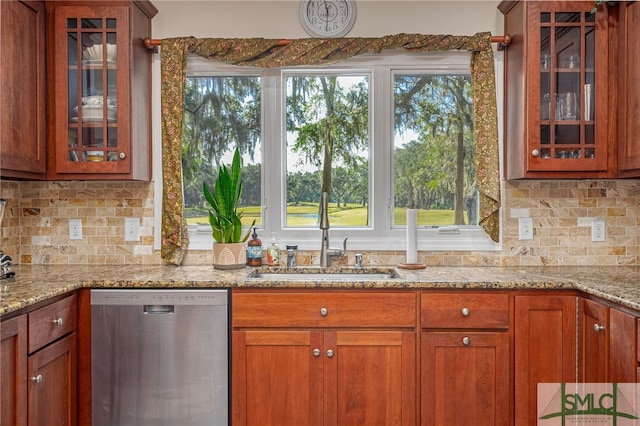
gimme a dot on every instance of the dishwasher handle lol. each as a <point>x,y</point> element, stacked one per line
<point>158,309</point>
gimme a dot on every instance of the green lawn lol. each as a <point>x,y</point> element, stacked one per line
<point>304,215</point>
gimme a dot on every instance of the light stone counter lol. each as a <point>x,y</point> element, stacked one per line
<point>35,283</point>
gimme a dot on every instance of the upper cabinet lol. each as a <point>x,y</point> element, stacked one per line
<point>23,82</point>
<point>99,90</point>
<point>561,106</point>
<point>556,109</point>
<point>629,89</point>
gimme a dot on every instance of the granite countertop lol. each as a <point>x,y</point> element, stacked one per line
<point>35,283</point>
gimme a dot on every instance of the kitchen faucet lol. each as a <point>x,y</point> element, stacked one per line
<point>327,253</point>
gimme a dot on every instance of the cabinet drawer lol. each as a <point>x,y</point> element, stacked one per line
<point>51,322</point>
<point>324,309</point>
<point>448,310</point>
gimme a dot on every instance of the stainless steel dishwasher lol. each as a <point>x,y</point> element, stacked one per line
<point>160,357</point>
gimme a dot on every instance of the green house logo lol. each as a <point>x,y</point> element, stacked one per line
<point>614,404</point>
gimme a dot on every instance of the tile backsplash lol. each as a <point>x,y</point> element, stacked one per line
<point>35,227</point>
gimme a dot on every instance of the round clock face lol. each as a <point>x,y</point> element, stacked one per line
<point>327,18</point>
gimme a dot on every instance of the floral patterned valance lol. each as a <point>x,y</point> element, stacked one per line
<point>266,53</point>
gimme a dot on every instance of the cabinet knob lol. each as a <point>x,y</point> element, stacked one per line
<point>535,153</point>
<point>316,352</point>
<point>597,328</point>
<point>465,312</point>
<point>466,341</point>
<point>330,353</point>
<point>122,155</point>
<point>324,312</point>
<point>58,321</point>
<point>37,379</point>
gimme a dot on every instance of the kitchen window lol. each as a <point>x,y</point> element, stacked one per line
<point>401,130</point>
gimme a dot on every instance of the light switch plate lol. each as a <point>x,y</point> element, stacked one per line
<point>525,228</point>
<point>131,229</point>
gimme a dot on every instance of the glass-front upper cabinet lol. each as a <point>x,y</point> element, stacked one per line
<point>562,100</point>
<point>94,91</point>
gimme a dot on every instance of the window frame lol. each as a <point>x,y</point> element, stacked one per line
<point>383,235</point>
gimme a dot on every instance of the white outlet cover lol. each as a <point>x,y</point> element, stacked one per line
<point>75,229</point>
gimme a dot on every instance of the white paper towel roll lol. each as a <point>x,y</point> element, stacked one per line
<point>412,236</point>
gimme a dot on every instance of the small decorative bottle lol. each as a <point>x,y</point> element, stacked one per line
<point>273,252</point>
<point>254,250</point>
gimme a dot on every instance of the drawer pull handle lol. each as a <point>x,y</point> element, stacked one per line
<point>37,379</point>
<point>465,312</point>
<point>58,321</point>
<point>466,341</point>
<point>316,352</point>
<point>330,353</point>
<point>323,312</point>
<point>597,328</point>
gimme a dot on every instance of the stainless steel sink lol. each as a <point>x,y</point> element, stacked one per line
<point>323,274</point>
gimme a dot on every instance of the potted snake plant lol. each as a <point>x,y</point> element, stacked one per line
<point>229,250</point>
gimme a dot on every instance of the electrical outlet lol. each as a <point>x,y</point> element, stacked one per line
<point>131,229</point>
<point>598,231</point>
<point>525,228</point>
<point>75,229</point>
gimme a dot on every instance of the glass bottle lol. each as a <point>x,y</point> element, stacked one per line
<point>273,251</point>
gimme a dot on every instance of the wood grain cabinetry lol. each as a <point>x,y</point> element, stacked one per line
<point>594,342</point>
<point>13,371</point>
<point>100,90</point>
<point>323,358</point>
<point>557,100</point>
<point>608,343</point>
<point>465,359</point>
<point>39,366</point>
<point>23,82</point>
<point>629,89</point>
<point>545,329</point>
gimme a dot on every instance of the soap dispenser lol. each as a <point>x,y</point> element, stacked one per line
<point>254,250</point>
<point>273,251</point>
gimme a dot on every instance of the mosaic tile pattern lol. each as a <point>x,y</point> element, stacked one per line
<point>35,226</point>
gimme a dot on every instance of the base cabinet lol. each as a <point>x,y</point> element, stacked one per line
<point>465,368</point>
<point>465,378</point>
<point>39,366</point>
<point>13,371</point>
<point>608,344</point>
<point>330,370</point>
<point>52,384</point>
<point>545,348</point>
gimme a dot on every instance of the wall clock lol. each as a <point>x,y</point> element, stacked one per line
<point>327,18</point>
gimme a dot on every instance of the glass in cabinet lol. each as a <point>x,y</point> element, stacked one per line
<point>563,96</point>
<point>94,70</point>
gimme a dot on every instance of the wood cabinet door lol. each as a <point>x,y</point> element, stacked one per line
<point>622,347</point>
<point>594,344</point>
<point>629,89</point>
<point>52,384</point>
<point>370,378</point>
<point>23,79</point>
<point>465,378</point>
<point>545,348</point>
<point>277,378</point>
<point>13,371</point>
